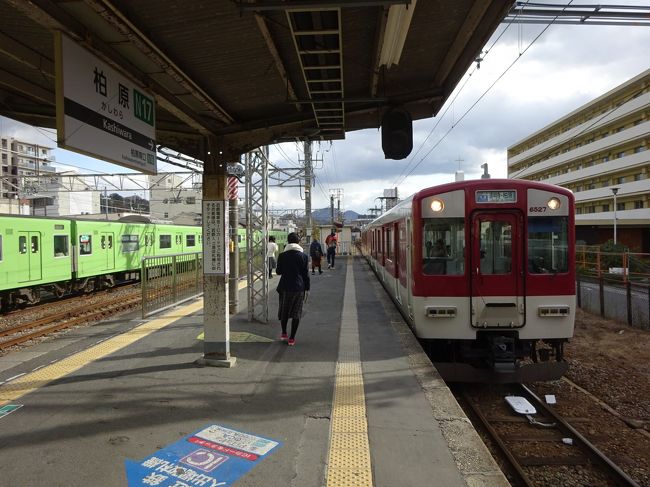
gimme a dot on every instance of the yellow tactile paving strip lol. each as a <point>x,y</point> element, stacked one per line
<point>349,461</point>
<point>27,383</point>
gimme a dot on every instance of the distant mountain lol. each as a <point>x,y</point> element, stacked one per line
<point>323,215</point>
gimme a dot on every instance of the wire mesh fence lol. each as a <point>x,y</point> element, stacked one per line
<point>170,279</point>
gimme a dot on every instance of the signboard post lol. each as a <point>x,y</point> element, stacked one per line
<point>100,112</point>
<point>215,238</point>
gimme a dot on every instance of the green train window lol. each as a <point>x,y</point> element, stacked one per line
<point>190,240</point>
<point>22,245</point>
<point>85,245</point>
<point>130,243</point>
<point>34,245</point>
<point>165,241</point>
<point>0,247</point>
<point>61,246</point>
<point>102,243</point>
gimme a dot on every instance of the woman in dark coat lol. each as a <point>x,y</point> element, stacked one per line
<point>293,269</point>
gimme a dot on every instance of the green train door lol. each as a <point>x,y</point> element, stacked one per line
<point>29,257</point>
<point>108,247</point>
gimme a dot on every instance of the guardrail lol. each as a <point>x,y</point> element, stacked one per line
<point>168,280</point>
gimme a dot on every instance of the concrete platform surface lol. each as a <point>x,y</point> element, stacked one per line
<point>355,402</point>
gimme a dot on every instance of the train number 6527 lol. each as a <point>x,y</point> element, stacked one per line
<point>537,209</point>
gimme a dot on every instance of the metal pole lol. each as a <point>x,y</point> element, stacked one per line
<point>308,178</point>
<point>233,281</point>
<point>614,218</point>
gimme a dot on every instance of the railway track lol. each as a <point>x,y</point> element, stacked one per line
<point>58,321</point>
<point>544,448</point>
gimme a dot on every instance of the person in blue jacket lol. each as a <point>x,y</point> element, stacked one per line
<point>293,269</point>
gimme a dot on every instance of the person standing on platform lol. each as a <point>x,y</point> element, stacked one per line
<point>293,269</point>
<point>316,254</point>
<point>331,243</point>
<point>271,251</point>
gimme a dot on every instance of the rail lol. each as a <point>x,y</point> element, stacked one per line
<point>168,280</point>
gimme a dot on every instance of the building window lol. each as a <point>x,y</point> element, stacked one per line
<point>620,206</point>
<point>641,148</point>
<point>620,154</point>
<point>605,183</point>
<point>639,177</point>
<point>190,200</point>
<point>578,211</point>
<point>638,204</point>
<point>165,215</point>
<point>605,207</point>
<point>591,186</point>
<point>61,246</point>
<point>591,209</point>
<point>606,159</point>
<point>165,241</point>
<point>620,180</point>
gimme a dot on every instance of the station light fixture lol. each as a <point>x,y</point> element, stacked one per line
<point>553,203</point>
<point>397,27</point>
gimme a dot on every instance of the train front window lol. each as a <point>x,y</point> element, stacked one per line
<point>496,247</point>
<point>548,249</point>
<point>443,245</point>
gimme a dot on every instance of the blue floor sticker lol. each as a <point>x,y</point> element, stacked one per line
<point>213,456</point>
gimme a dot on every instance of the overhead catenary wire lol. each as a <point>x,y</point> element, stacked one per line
<point>482,96</point>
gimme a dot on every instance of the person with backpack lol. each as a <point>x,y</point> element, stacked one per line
<point>332,243</point>
<point>316,253</point>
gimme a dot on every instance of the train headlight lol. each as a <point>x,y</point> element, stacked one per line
<point>437,205</point>
<point>553,203</point>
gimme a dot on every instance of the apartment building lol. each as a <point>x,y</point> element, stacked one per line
<point>176,198</point>
<point>20,159</point>
<point>600,152</point>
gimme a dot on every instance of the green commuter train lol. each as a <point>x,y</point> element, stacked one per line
<point>67,256</point>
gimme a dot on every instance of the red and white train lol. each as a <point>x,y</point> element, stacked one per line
<point>484,273</point>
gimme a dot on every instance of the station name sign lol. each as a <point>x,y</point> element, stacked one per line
<point>102,113</point>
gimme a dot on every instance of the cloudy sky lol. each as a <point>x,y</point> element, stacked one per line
<point>566,67</point>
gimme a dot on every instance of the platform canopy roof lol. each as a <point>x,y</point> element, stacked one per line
<point>252,72</point>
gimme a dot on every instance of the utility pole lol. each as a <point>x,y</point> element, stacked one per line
<point>308,181</point>
<point>332,210</point>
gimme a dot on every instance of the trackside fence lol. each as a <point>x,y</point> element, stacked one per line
<point>615,285</point>
<point>168,280</point>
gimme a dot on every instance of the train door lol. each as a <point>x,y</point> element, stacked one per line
<point>107,245</point>
<point>29,256</point>
<point>409,267</point>
<point>497,281</point>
